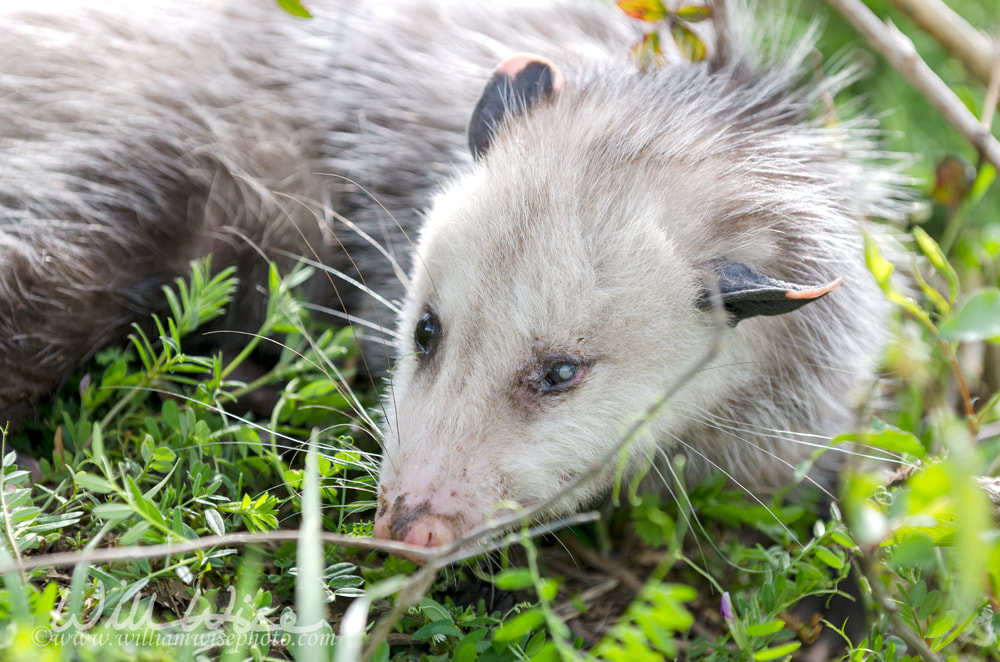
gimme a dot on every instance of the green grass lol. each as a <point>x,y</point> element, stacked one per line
<point>168,525</point>
<point>146,455</point>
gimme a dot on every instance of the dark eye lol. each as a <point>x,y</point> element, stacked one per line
<point>427,333</point>
<point>560,374</point>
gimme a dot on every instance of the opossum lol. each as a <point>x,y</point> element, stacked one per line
<point>567,278</point>
<point>583,227</point>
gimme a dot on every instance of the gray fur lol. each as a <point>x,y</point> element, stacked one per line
<point>136,137</point>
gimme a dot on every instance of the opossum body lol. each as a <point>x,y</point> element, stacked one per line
<point>562,278</point>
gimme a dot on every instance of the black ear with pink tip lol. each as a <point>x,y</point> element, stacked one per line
<point>747,293</point>
<point>518,83</point>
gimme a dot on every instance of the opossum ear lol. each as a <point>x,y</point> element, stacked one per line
<point>517,84</point>
<point>746,293</point>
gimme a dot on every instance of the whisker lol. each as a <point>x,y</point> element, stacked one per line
<point>291,444</point>
<point>312,205</point>
<point>344,277</point>
<point>399,272</point>
<point>333,312</point>
<point>339,382</point>
<point>718,422</point>
<point>743,487</point>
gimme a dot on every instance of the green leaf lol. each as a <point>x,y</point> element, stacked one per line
<point>913,551</point>
<point>520,625</point>
<point>92,483</point>
<point>514,579</point>
<point>113,511</point>
<point>888,438</point>
<point>548,589</point>
<point>941,625</point>
<point>957,631</point>
<point>937,257</point>
<point>97,443</point>
<point>879,267</point>
<point>764,629</point>
<point>465,650</point>
<point>134,534</point>
<point>214,521</point>
<point>144,506</point>
<point>690,44</point>
<point>171,415</point>
<point>163,459</point>
<point>445,626</point>
<point>546,653</point>
<point>841,538</point>
<point>535,645</point>
<point>830,558</point>
<point>295,8</point>
<point>940,303</point>
<point>694,13</point>
<point>984,180</point>
<point>917,595</point>
<point>977,319</point>
<point>647,52</point>
<point>777,651</point>
<point>432,610</point>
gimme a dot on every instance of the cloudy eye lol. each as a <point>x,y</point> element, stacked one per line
<point>561,375</point>
<point>554,373</point>
<point>427,333</point>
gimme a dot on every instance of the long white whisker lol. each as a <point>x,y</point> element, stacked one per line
<point>687,511</point>
<point>359,321</point>
<point>292,443</point>
<point>734,427</point>
<point>329,212</point>
<point>397,269</point>
<point>340,383</point>
<point>344,277</point>
<point>743,487</point>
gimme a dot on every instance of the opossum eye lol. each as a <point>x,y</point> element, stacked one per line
<point>427,333</point>
<point>561,374</point>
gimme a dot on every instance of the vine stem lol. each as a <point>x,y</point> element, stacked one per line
<point>905,632</point>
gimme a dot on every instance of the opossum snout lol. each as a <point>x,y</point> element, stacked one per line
<point>416,524</point>
<point>426,508</point>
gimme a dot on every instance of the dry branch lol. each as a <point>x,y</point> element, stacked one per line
<point>978,53</point>
<point>901,54</point>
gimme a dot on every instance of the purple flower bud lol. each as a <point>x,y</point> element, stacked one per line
<point>727,608</point>
<point>85,382</point>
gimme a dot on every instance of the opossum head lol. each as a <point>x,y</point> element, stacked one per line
<point>563,281</point>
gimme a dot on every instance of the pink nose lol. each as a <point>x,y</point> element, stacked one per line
<point>429,531</point>
<point>415,525</point>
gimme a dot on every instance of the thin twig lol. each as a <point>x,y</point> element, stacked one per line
<point>993,88</point>
<point>901,54</point>
<point>976,51</point>
<point>134,552</point>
